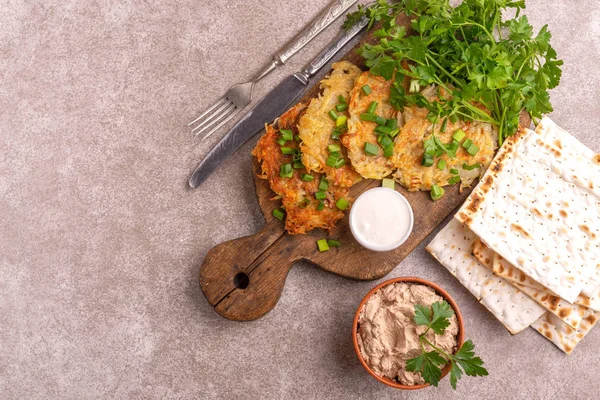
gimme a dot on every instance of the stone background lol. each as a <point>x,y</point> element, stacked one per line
<point>101,239</point>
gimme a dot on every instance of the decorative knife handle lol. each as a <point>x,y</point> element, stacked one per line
<point>326,55</point>
<point>321,22</point>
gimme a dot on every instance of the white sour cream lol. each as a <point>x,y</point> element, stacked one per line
<point>381,219</point>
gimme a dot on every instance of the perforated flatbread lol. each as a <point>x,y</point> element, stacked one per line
<point>452,248</point>
<point>526,212</point>
<point>571,314</point>
<point>485,256</point>
<point>561,334</point>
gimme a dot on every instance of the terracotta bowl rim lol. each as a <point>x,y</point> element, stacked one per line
<point>441,292</point>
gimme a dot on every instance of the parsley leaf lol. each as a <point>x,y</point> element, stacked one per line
<point>492,67</point>
<point>430,363</point>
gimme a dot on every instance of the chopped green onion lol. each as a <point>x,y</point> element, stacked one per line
<point>443,127</point>
<point>287,150</point>
<point>323,184</point>
<point>320,195</point>
<point>333,115</point>
<point>453,118</point>
<point>441,164</point>
<point>340,162</point>
<point>297,138</point>
<point>321,205</point>
<point>388,151</point>
<point>371,149</point>
<point>342,204</point>
<point>385,141</point>
<point>334,148</point>
<point>322,245</point>
<point>307,177</point>
<point>470,167</point>
<point>388,183</point>
<point>281,142</point>
<point>341,107</point>
<point>427,160</point>
<point>436,192</point>
<point>367,90</point>
<point>454,179</point>
<point>277,213</point>
<point>384,130</point>
<point>414,86</point>
<point>451,149</point>
<point>305,203</point>
<point>372,107</point>
<point>467,143</point>
<point>459,135</point>
<point>368,117</point>
<point>473,149</point>
<point>453,171</point>
<point>332,159</point>
<point>333,243</point>
<point>298,165</point>
<point>341,120</point>
<point>335,134</point>
<point>394,132</point>
<point>286,171</point>
<point>286,134</point>
<point>392,123</point>
<point>342,99</point>
<point>380,120</point>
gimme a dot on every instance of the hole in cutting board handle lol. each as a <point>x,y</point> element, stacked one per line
<point>241,280</point>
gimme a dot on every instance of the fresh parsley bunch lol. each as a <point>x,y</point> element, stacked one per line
<point>491,68</point>
<point>430,363</point>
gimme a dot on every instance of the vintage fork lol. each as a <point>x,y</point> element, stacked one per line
<point>240,95</point>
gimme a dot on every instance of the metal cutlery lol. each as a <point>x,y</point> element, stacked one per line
<point>240,95</point>
<point>270,107</point>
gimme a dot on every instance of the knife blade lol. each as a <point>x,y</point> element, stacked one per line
<point>270,107</point>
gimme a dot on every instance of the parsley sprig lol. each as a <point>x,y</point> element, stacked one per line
<point>491,68</point>
<point>430,363</point>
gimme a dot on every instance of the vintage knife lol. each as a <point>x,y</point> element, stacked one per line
<point>270,107</point>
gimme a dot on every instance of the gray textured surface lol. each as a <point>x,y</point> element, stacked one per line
<point>101,240</point>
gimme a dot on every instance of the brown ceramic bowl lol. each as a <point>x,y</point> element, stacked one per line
<point>441,292</point>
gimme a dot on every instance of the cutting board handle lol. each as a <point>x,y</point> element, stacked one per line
<point>243,278</point>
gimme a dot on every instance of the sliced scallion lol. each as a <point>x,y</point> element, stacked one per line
<point>453,171</point>
<point>372,107</point>
<point>470,167</point>
<point>322,245</point>
<point>441,164</point>
<point>334,148</point>
<point>305,203</point>
<point>383,130</point>
<point>298,165</point>
<point>473,149</point>
<point>286,134</point>
<point>321,205</point>
<point>323,184</point>
<point>277,213</point>
<point>342,99</point>
<point>281,142</point>
<point>459,135</point>
<point>307,177</point>
<point>392,123</point>
<point>388,183</point>
<point>436,192</point>
<point>333,243</point>
<point>427,160</point>
<point>287,150</point>
<point>333,115</point>
<point>342,204</point>
<point>454,179</point>
<point>341,107</point>
<point>340,162</point>
<point>380,120</point>
<point>388,151</point>
<point>341,120</point>
<point>385,141</point>
<point>332,159</point>
<point>371,149</point>
<point>286,171</point>
<point>367,90</point>
<point>368,117</point>
<point>467,143</point>
<point>320,195</point>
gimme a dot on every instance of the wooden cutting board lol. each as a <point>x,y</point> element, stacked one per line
<point>243,278</point>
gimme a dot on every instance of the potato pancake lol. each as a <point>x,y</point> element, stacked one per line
<point>297,194</point>
<point>315,127</point>
<point>409,149</point>
<point>361,132</point>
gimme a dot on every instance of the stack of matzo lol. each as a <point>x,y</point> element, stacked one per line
<point>526,242</point>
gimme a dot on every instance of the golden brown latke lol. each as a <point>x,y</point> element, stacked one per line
<point>360,132</point>
<point>409,149</point>
<point>315,126</point>
<point>300,218</point>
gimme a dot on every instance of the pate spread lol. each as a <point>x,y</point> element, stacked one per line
<point>388,335</point>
